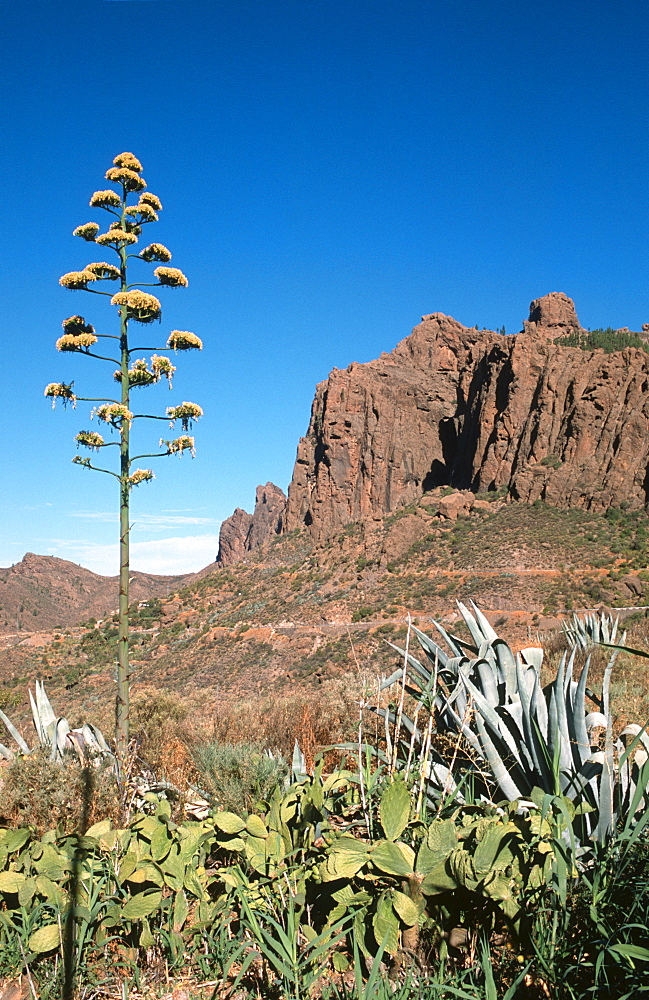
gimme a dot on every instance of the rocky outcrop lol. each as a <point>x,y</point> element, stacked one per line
<point>233,537</point>
<point>476,410</point>
<point>552,315</point>
<point>242,533</point>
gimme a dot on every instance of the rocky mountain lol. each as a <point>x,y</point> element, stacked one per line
<point>242,532</point>
<point>43,592</point>
<point>472,409</point>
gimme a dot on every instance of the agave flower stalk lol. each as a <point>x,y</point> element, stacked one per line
<point>133,306</point>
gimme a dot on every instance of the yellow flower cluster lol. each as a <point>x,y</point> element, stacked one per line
<point>140,476</point>
<point>77,279</point>
<point>138,374</point>
<point>155,251</point>
<point>141,307</point>
<point>102,270</point>
<point>171,276</point>
<point>69,342</point>
<point>151,199</point>
<point>129,180</point>
<point>74,325</point>
<point>182,340</point>
<point>162,367</point>
<point>186,412</point>
<point>127,160</point>
<point>87,232</point>
<point>179,445</point>
<point>90,440</point>
<point>144,211</point>
<point>59,390</point>
<point>116,236</point>
<point>105,199</point>
<point>110,413</point>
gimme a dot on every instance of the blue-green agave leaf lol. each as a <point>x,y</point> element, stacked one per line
<point>493,720</point>
<point>506,784</point>
<point>487,629</point>
<point>14,733</point>
<point>457,646</point>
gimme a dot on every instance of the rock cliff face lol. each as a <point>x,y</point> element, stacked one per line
<point>242,533</point>
<point>476,410</point>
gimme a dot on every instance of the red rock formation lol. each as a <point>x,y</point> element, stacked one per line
<point>242,533</point>
<point>233,537</point>
<point>552,315</point>
<point>477,410</point>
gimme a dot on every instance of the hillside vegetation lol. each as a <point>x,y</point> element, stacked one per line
<point>294,617</point>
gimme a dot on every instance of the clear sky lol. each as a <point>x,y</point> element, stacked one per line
<point>330,170</point>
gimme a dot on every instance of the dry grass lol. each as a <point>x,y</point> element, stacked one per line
<point>45,795</point>
<point>316,719</point>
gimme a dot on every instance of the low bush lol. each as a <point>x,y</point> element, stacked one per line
<point>238,777</point>
<point>45,795</point>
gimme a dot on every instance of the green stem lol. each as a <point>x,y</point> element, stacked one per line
<point>95,468</point>
<point>122,708</point>
<point>100,357</point>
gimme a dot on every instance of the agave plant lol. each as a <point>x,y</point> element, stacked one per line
<point>509,735</point>
<point>55,734</point>
<point>592,629</point>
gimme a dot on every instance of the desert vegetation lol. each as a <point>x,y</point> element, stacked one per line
<point>472,826</point>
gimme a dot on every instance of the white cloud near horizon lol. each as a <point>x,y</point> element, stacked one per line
<point>163,556</point>
<point>152,522</point>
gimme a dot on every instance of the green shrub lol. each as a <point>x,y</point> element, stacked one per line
<point>551,461</point>
<point>363,612</point>
<point>238,776</point>
<point>608,340</point>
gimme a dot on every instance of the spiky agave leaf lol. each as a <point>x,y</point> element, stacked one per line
<point>59,738</point>
<point>42,714</point>
<point>14,733</point>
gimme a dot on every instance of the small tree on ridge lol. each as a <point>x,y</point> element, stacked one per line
<point>133,306</point>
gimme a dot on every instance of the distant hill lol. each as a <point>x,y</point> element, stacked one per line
<point>43,592</point>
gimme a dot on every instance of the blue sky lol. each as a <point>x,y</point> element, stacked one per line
<point>329,171</point>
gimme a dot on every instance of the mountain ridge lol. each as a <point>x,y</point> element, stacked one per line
<point>471,409</point>
<point>43,592</point>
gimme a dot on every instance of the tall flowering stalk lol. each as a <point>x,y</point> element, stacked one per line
<point>133,305</point>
